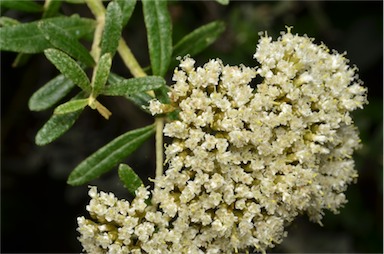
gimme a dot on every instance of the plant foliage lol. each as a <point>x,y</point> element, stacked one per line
<point>89,69</point>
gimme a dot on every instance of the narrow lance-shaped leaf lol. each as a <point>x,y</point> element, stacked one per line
<point>51,93</point>
<point>71,106</point>
<point>127,7</point>
<point>27,37</point>
<point>25,5</point>
<point>112,29</point>
<point>159,34</point>
<point>57,125</point>
<point>21,58</point>
<point>109,155</point>
<point>101,73</point>
<point>7,21</point>
<point>199,39</point>
<point>52,8</point>
<point>64,41</point>
<point>69,68</point>
<point>134,85</point>
<point>129,178</point>
<point>140,99</point>
<point>162,94</point>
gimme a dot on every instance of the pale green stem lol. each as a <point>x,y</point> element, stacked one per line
<point>97,8</point>
<point>136,70</point>
<point>96,50</point>
<point>159,122</point>
<point>47,3</point>
<point>130,60</point>
<point>134,67</point>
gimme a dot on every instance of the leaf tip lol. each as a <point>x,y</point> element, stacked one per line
<point>72,182</point>
<point>39,140</point>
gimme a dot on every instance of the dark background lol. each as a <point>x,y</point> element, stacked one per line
<point>38,208</point>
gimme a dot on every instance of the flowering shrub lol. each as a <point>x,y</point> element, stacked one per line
<point>245,159</point>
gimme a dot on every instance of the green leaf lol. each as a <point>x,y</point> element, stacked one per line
<point>101,73</point>
<point>127,7</point>
<point>159,33</point>
<point>140,99</point>
<point>112,29</point>
<point>52,8</point>
<point>199,39</point>
<point>162,94</point>
<point>27,37</point>
<point>51,93</point>
<point>69,68</point>
<point>71,106</point>
<point>66,42</point>
<point>25,5</point>
<point>134,85</point>
<point>7,21</point>
<point>129,178</point>
<point>108,156</point>
<point>223,2</point>
<point>57,125</point>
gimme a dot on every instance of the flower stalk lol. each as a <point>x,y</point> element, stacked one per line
<point>98,10</point>
<point>159,123</point>
<point>133,66</point>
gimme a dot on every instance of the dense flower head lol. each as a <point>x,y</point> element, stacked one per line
<point>245,159</point>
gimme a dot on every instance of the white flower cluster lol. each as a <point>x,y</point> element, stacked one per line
<point>244,160</point>
<point>119,226</point>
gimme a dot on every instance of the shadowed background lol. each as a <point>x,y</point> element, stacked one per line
<point>38,208</point>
